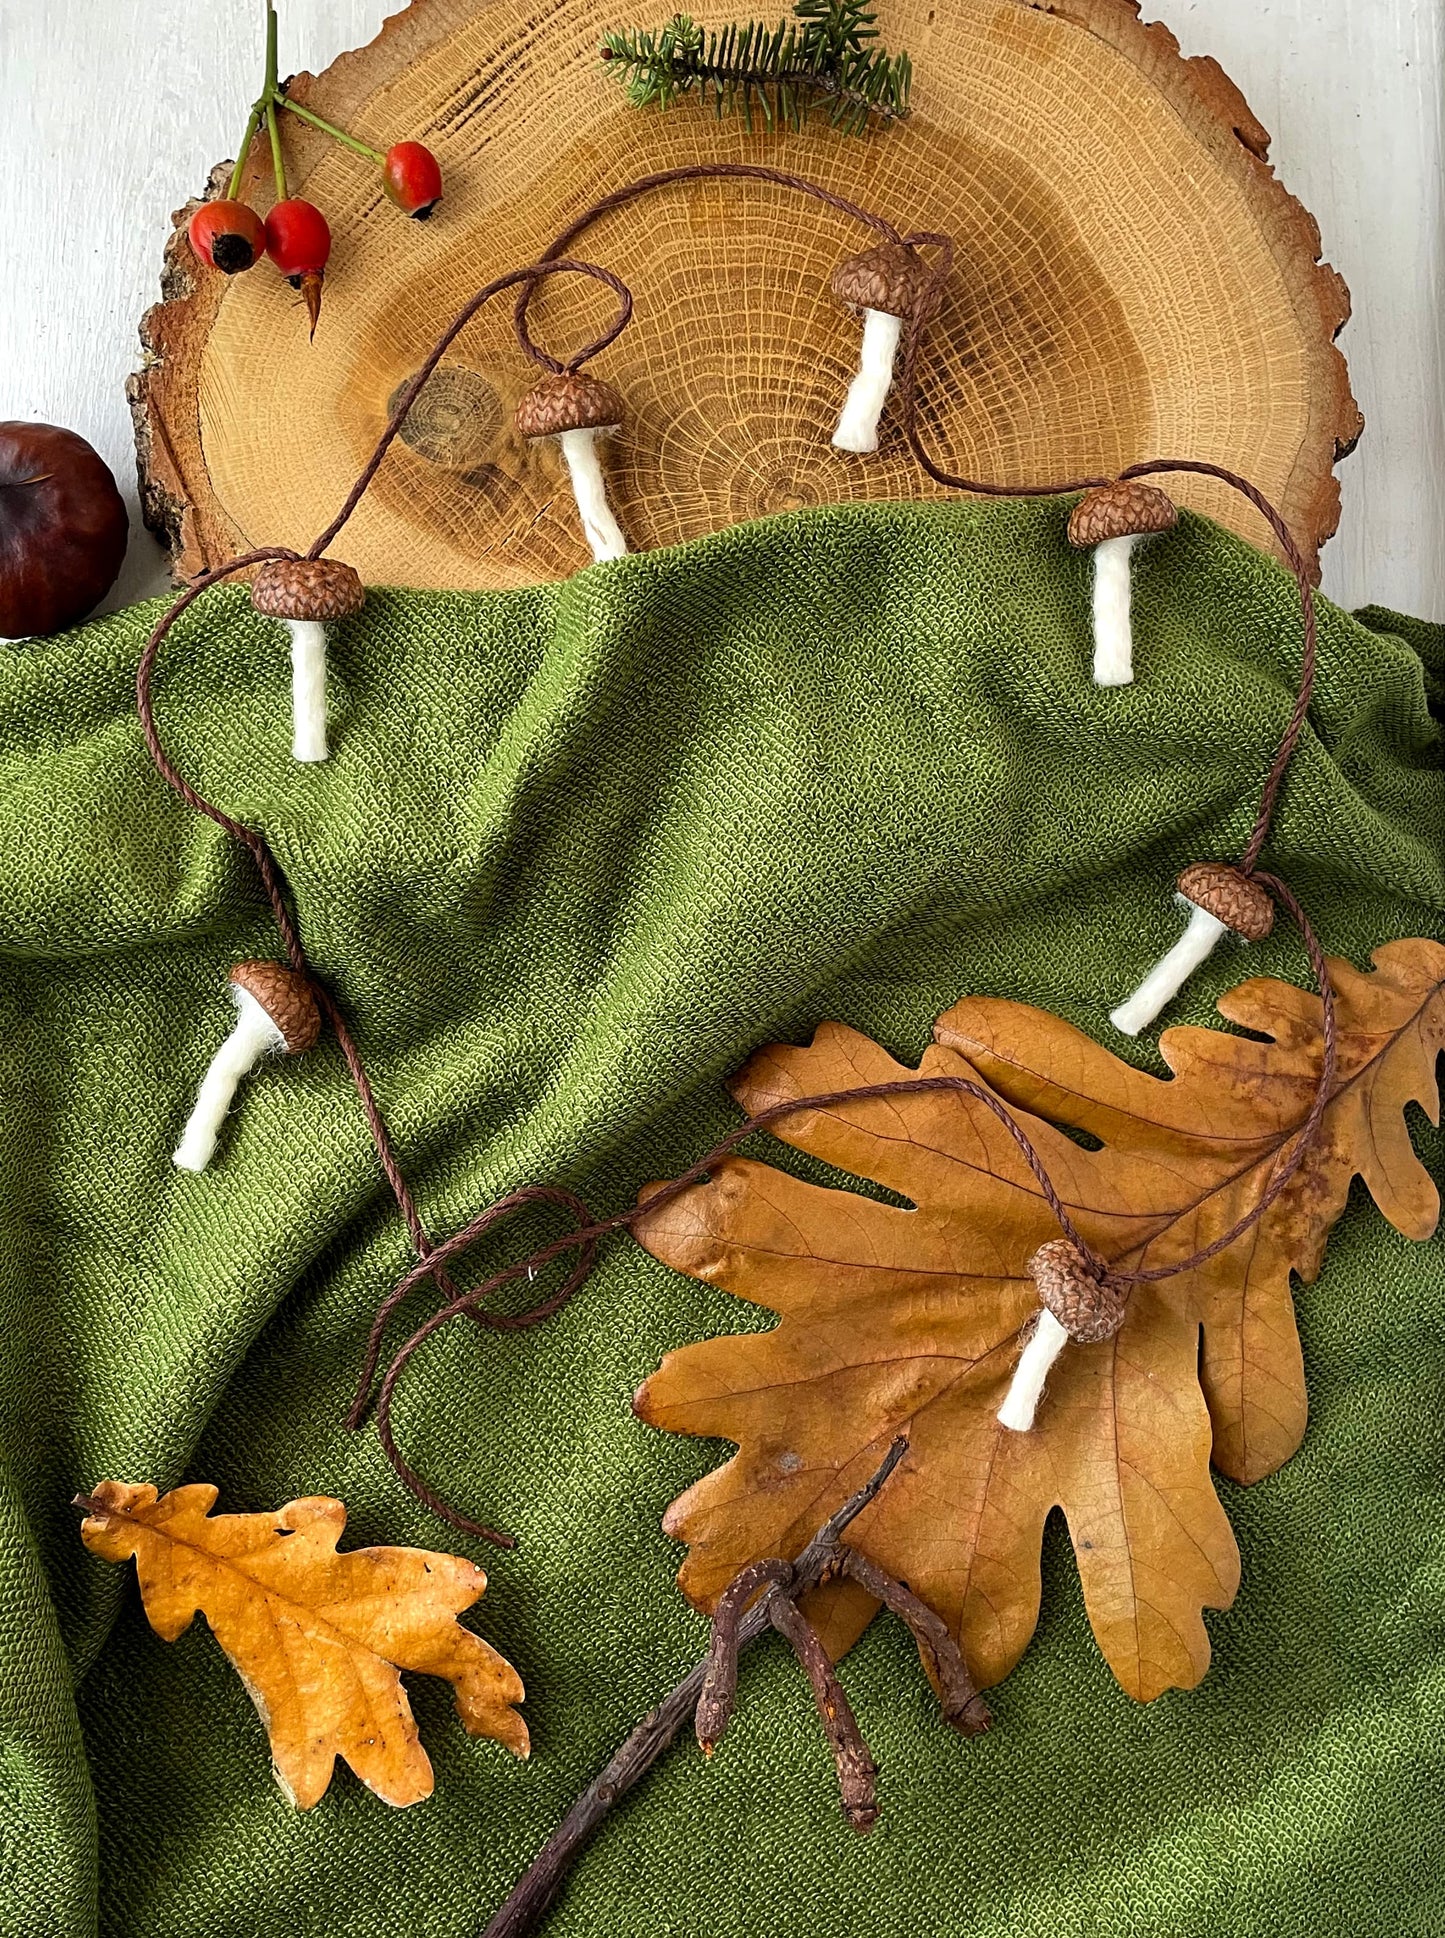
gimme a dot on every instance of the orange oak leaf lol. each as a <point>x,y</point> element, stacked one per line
<point>907,1319</point>
<point>317,1637</point>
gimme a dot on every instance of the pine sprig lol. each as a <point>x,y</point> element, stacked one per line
<point>823,58</point>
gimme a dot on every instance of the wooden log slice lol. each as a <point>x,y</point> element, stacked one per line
<point>1130,281</point>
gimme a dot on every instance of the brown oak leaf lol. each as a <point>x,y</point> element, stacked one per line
<point>908,1320</point>
<point>317,1637</point>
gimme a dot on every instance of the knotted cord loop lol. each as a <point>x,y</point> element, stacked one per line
<point>588,1231</point>
<point>527,278</point>
<point>598,343</point>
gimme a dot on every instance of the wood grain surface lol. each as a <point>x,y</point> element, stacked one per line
<point>118,138</point>
<point>1131,280</point>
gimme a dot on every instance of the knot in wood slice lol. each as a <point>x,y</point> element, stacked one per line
<point>286,998</point>
<point>567,400</point>
<point>1089,1305</point>
<point>891,278</point>
<point>1230,897</point>
<point>1127,509</point>
<point>307,589</point>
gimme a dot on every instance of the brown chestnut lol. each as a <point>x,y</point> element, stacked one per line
<point>63,529</point>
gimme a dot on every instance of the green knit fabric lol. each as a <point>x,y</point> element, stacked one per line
<point>579,849</point>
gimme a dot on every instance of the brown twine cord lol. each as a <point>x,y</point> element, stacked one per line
<point>528,277</point>
<point>918,324</point>
<point>1308,1130</point>
<point>1150,467</point>
<point>587,1232</point>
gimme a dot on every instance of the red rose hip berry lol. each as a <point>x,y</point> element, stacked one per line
<point>298,240</point>
<point>228,235</point>
<point>299,243</point>
<point>412,177</point>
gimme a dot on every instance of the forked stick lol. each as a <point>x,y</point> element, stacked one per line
<point>537,1890</point>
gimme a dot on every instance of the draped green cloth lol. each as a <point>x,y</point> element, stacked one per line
<point>578,850</point>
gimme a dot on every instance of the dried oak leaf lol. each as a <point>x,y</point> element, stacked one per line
<point>317,1637</point>
<point>907,1320</point>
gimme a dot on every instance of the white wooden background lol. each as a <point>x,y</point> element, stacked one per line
<point>113,110</point>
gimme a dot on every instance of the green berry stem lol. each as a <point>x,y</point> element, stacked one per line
<point>330,128</point>
<point>268,96</point>
<point>253,123</point>
<point>278,161</point>
<point>274,97</point>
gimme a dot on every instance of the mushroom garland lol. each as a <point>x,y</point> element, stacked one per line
<point>577,410</point>
<point>1221,901</point>
<point>886,284</point>
<point>1079,1297</point>
<point>1113,519</point>
<point>277,1016</point>
<point>1076,1303</point>
<point>305,594</point>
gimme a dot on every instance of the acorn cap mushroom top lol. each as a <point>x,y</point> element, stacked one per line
<point>1230,897</point>
<point>318,589</point>
<point>286,998</point>
<point>568,400</point>
<point>891,278</point>
<point>1088,1307</point>
<point>1124,510</point>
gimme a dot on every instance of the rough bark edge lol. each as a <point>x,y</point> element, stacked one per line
<point>165,405</point>
<point>1215,109</point>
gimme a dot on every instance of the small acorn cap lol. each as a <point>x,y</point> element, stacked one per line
<point>307,589</point>
<point>1230,897</point>
<point>1127,509</point>
<point>1088,1306</point>
<point>891,278</point>
<point>569,400</point>
<point>286,998</point>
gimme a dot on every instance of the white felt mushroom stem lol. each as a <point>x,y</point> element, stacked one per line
<point>308,688</point>
<point>253,1037</point>
<point>1113,631</point>
<point>1047,1340</point>
<point>604,534</point>
<point>1170,972</point>
<point>863,406</point>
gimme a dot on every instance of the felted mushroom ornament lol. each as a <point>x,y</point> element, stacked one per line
<point>276,1016</point>
<point>305,594</point>
<point>887,284</point>
<point>577,410</point>
<point>1114,519</point>
<point>1221,901</point>
<point>1076,1303</point>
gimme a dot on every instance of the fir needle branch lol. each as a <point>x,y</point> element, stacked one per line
<point>824,57</point>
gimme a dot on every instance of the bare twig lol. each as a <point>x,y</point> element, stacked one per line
<point>538,1887</point>
<point>720,1684</point>
<point>851,1755</point>
<point>962,1705</point>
